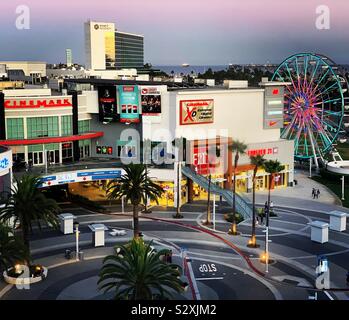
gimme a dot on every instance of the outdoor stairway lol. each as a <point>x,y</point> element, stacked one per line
<point>242,206</point>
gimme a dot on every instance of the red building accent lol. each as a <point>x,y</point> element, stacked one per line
<point>47,140</point>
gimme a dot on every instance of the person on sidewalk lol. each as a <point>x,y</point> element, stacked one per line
<point>271,207</point>
<point>313,193</point>
<point>317,194</point>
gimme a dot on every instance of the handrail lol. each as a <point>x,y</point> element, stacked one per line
<point>242,205</point>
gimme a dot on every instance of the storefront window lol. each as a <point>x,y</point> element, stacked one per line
<point>67,125</point>
<point>67,152</point>
<point>14,129</point>
<point>84,126</point>
<point>42,127</point>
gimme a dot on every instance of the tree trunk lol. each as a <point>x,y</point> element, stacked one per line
<point>254,206</point>
<point>178,209</point>
<point>135,222</point>
<point>25,235</point>
<point>233,226</point>
<point>208,220</point>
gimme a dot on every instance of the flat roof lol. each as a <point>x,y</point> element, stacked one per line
<point>171,85</point>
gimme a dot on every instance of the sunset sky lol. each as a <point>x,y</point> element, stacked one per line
<point>193,31</point>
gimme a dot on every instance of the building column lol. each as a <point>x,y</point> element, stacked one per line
<point>2,117</point>
<point>76,149</point>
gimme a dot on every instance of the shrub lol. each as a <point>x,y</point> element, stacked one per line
<point>229,217</point>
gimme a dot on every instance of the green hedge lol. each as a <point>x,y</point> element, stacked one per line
<point>229,217</point>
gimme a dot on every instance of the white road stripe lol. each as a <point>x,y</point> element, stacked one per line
<point>328,295</point>
<point>203,279</point>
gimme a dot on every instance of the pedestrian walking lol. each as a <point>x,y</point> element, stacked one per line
<point>317,194</point>
<point>313,193</point>
<point>271,206</point>
<point>196,170</point>
<point>262,217</point>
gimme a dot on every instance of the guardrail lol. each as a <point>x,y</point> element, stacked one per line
<point>242,205</point>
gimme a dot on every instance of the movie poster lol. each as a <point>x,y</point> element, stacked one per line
<point>151,101</point>
<point>107,104</point>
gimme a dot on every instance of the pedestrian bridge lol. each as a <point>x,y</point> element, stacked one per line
<point>242,205</point>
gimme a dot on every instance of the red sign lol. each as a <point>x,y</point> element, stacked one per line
<point>196,111</point>
<point>276,92</point>
<point>204,162</point>
<point>262,152</point>
<point>37,103</point>
<point>272,123</point>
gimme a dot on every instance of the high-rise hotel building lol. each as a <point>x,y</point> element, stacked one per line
<point>109,49</point>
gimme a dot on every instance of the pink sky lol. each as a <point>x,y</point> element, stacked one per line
<point>191,24</point>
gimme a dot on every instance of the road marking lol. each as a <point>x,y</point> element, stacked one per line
<point>328,295</point>
<point>213,278</point>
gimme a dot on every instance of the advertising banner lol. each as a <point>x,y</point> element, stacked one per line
<point>107,104</point>
<point>151,101</point>
<point>129,104</point>
<point>196,111</point>
<point>38,103</point>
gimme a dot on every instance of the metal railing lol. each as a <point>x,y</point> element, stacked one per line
<point>242,205</point>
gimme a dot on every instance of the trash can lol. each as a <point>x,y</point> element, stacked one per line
<point>98,236</point>
<point>338,221</point>
<point>66,223</point>
<point>319,231</point>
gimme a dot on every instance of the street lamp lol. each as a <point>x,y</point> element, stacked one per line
<point>77,232</point>
<point>343,188</point>
<point>215,180</point>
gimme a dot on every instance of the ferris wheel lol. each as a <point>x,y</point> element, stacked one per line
<point>316,98</point>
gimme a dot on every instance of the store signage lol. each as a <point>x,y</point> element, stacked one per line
<point>129,104</point>
<point>4,163</point>
<point>204,162</point>
<point>151,101</point>
<point>274,108</point>
<point>104,150</point>
<point>262,152</point>
<point>107,104</point>
<point>37,103</point>
<point>196,111</point>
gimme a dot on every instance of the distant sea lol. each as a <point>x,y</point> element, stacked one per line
<point>188,70</point>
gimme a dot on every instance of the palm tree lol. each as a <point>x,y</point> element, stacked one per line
<point>272,167</point>
<point>137,273</point>
<point>239,148</point>
<point>136,186</point>
<point>257,162</point>
<point>28,206</point>
<point>146,149</point>
<point>12,249</point>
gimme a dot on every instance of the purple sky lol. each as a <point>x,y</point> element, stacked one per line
<point>193,31</point>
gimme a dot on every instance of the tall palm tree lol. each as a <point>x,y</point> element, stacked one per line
<point>238,148</point>
<point>257,162</point>
<point>136,186</point>
<point>272,167</point>
<point>146,149</point>
<point>12,249</point>
<point>137,273</point>
<point>29,206</point>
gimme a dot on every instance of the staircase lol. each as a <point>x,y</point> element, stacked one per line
<point>242,205</point>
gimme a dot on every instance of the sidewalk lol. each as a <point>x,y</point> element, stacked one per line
<point>300,196</point>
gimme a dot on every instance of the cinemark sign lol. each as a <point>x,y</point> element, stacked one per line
<point>37,103</point>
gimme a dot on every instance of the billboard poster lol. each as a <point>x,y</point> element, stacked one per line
<point>151,101</point>
<point>129,104</point>
<point>107,104</point>
<point>196,111</point>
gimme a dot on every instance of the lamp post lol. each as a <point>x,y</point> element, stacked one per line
<point>219,180</point>
<point>343,188</point>
<point>77,232</point>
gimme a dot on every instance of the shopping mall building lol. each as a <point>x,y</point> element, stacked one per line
<point>101,124</point>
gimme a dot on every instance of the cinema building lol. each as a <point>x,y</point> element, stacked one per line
<point>91,125</point>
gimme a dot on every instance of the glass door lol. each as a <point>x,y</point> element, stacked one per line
<point>38,158</point>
